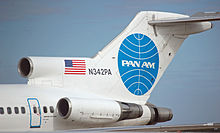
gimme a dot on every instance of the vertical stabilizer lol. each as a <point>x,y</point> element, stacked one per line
<point>141,53</point>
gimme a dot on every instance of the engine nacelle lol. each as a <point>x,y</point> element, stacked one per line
<point>35,67</point>
<point>97,111</point>
<point>159,114</point>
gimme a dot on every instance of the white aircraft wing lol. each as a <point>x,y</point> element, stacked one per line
<point>198,17</point>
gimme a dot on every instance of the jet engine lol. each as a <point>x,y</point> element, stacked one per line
<point>35,67</point>
<point>108,111</point>
<point>159,114</point>
<point>97,111</point>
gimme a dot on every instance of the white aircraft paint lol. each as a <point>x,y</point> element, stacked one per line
<point>100,91</point>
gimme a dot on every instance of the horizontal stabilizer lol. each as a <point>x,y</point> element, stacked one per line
<point>198,17</point>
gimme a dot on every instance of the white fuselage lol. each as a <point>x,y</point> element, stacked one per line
<point>110,89</point>
<point>46,117</point>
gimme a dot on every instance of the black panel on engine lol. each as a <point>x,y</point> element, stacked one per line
<point>130,111</point>
<point>159,114</point>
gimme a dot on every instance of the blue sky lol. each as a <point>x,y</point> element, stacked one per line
<point>191,84</point>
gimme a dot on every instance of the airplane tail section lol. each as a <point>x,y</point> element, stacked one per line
<point>112,88</point>
<point>129,67</point>
<point>141,53</point>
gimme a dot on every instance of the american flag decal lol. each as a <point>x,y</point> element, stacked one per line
<point>75,67</point>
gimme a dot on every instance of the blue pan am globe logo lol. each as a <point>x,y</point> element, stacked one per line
<point>138,63</point>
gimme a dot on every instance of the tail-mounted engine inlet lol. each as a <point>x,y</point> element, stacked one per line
<point>25,67</point>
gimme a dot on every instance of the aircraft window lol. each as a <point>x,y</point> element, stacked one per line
<point>9,110</point>
<point>35,109</point>
<point>45,109</point>
<point>51,109</point>
<point>1,110</point>
<point>16,110</point>
<point>22,110</point>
